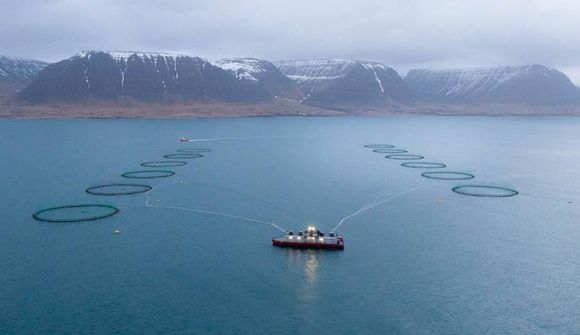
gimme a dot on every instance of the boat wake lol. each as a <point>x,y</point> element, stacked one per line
<point>211,139</point>
<point>377,201</point>
<point>222,139</point>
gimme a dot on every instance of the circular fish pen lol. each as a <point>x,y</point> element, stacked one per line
<point>148,174</point>
<point>379,146</point>
<point>447,175</point>
<point>390,151</point>
<point>118,189</point>
<point>161,164</point>
<point>182,156</point>
<point>75,213</point>
<point>194,150</point>
<point>423,165</point>
<point>404,157</point>
<point>485,191</point>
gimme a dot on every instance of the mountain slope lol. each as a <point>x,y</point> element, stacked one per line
<point>349,83</point>
<point>144,77</point>
<point>261,73</point>
<point>15,73</point>
<point>531,84</point>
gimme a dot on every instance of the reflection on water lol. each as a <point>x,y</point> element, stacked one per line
<point>308,260</point>
<point>311,267</point>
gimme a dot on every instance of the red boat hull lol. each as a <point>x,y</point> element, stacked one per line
<point>303,245</point>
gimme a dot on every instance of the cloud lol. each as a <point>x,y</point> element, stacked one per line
<point>402,34</point>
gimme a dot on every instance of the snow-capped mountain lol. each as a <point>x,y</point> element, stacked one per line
<point>260,73</point>
<point>346,85</point>
<point>337,82</point>
<point>530,84</point>
<point>146,77</point>
<point>16,73</point>
<point>19,69</point>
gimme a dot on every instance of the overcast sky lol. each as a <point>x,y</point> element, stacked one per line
<point>402,34</point>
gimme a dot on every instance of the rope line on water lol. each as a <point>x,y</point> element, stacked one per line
<point>202,211</point>
<point>372,205</point>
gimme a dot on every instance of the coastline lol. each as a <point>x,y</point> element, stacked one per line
<point>277,108</point>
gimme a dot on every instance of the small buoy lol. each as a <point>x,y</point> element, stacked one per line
<point>117,231</point>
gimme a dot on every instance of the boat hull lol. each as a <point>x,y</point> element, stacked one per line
<point>307,245</point>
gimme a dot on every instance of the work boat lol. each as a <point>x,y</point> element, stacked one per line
<point>311,238</point>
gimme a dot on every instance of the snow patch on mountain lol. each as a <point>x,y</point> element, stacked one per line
<point>346,82</point>
<point>530,84</point>
<point>312,72</point>
<point>167,61</point>
<point>470,82</point>
<point>150,77</point>
<point>374,67</point>
<point>19,69</point>
<point>242,68</point>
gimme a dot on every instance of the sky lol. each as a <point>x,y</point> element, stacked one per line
<point>402,34</point>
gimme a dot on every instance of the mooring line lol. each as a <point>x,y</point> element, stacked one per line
<point>372,205</point>
<point>201,211</point>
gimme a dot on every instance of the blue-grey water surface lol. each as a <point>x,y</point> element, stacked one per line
<point>198,258</point>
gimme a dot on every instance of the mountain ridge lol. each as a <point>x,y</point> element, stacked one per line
<point>342,86</point>
<point>532,84</point>
<point>346,82</point>
<point>16,73</point>
<point>18,69</point>
<point>261,73</point>
<point>145,77</point>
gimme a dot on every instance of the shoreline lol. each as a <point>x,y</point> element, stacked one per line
<point>278,108</point>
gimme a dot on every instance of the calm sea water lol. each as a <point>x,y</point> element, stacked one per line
<point>198,259</point>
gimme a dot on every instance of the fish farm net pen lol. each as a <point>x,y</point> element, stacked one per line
<point>404,157</point>
<point>378,146</point>
<point>423,165</point>
<point>118,189</point>
<point>161,164</point>
<point>148,174</point>
<point>182,156</point>
<point>485,191</point>
<point>75,213</point>
<point>447,175</point>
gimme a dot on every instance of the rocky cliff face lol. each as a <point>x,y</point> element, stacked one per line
<point>144,77</point>
<point>532,84</point>
<point>351,83</point>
